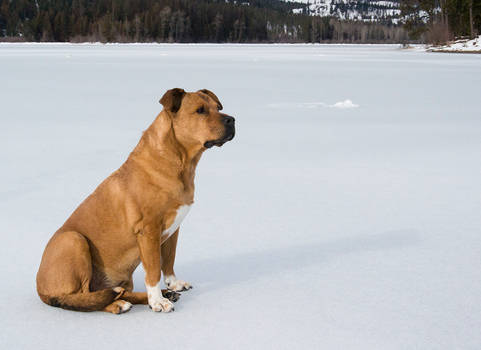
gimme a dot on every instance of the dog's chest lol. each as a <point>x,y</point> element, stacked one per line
<point>174,220</point>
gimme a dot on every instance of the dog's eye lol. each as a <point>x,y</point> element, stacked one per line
<point>201,110</point>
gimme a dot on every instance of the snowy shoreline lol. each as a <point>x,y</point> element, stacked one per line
<point>459,46</point>
<point>193,44</point>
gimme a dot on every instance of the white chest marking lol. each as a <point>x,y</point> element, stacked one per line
<point>181,214</point>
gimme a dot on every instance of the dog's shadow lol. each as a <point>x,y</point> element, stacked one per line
<point>216,273</point>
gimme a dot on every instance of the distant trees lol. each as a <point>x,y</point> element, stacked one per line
<point>442,20</point>
<point>324,29</point>
<point>180,21</point>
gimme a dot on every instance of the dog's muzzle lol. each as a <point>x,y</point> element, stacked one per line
<point>229,133</point>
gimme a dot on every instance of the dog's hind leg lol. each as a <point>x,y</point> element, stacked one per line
<point>63,279</point>
<point>136,297</point>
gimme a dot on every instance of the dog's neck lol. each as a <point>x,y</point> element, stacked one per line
<point>159,145</point>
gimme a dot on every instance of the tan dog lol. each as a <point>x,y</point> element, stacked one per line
<point>134,215</point>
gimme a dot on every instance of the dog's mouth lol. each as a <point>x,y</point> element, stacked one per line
<point>221,141</point>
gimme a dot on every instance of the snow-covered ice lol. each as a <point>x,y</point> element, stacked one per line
<point>320,228</point>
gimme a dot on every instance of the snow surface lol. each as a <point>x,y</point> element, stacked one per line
<point>464,45</point>
<point>319,228</point>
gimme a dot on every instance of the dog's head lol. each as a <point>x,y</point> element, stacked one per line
<point>196,118</point>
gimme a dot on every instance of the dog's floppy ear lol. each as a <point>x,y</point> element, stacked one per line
<point>172,99</point>
<point>213,96</point>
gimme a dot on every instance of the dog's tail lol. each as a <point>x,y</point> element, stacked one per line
<point>91,301</point>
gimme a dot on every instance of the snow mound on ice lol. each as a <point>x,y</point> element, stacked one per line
<point>344,104</point>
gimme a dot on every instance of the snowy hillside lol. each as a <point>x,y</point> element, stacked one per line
<point>361,10</point>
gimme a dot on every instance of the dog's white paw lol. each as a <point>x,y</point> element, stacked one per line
<point>118,307</point>
<point>175,284</point>
<point>161,305</point>
<point>156,301</point>
<point>125,306</point>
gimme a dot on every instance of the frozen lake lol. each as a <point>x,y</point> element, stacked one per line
<point>325,224</point>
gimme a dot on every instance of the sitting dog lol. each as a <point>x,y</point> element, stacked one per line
<point>134,215</point>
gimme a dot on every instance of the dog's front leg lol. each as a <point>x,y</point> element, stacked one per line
<point>168,258</point>
<point>149,245</point>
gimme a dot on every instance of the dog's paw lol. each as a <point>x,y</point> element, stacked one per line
<point>124,306</point>
<point>161,305</point>
<point>118,307</point>
<point>175,284</point>
<point>156,301</point>
<point>171,295</point>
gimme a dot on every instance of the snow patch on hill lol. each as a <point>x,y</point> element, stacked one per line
<point>361,10</point>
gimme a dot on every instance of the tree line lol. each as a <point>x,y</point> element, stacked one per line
<point>180,21</point>
<point>439,21</point>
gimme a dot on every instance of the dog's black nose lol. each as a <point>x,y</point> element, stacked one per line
<point>228,120</point>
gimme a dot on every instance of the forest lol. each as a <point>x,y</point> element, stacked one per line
<point>221,21</point>
<point>438,21</point>
<point>256,21</point>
